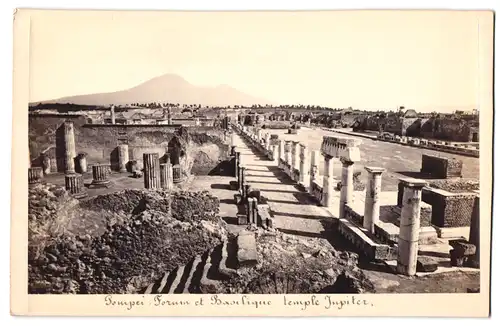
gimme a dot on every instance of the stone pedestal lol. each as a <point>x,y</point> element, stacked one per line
<point>74,185</point>
<point>166,176</point>
<point>151,163</point>
<point>122,157</point>
<point>100,176</point>
<point>35,175</point>
<point>69,148</point>
<point>328,182</point>
<point>347,184</point>
<point>409,227</point>
<point>372,198</point>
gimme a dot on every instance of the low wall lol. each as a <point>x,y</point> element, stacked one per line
<point>441,167</point>
<point>203,147</point>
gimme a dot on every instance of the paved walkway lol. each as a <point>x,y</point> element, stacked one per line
<point>293,210</point>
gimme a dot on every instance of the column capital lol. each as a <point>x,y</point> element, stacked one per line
<point>326,156</point>
<point>413,183</point>
<point>346,162</point>
<point>374,169</point>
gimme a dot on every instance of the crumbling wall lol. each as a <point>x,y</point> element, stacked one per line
<point>204,145</point>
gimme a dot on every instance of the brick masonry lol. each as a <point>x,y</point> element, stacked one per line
<point>441,167</point>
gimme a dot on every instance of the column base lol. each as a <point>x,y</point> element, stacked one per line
<point>80,195</point>
<point>101,184</point>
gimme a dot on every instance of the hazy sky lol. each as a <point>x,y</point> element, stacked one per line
<point>422,60</point>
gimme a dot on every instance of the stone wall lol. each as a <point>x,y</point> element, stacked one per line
<point>441,167</point>
<point>203,147</point>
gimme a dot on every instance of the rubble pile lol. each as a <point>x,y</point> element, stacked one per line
<point>118,242</point>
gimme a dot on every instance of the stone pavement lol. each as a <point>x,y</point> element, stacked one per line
<point>293,210</point>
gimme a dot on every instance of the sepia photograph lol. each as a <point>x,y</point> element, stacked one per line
<point>318,153</point>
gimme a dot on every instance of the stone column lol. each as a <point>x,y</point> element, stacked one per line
<point>151,170</point>
<point>113,121</point>
<point>409,226</point>
<point>314,168</point>
<point>241,179</point>
<point>281,152</point>
<point>100,176</point>
<point>288,156</point>
<point>276,154</point>
<point>347,185</point>
<point>35,175</point>
<point>123,157</point>
<point>372,199</point>
<point>69,147</point>
<point>328,182</point>
<point>176,173</point>
<point>474,232</point>
<point>74,185</point>
<point>303,166</point>
<point>267,141</point>
<point>166,176</point>
<point>237,164</point>
<point>296,156</point>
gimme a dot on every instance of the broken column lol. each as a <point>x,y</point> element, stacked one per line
<point>35,175</point>
<point>314,168</point>
<point>372,198</point>
<point>69,147</point>
<point>122,157</point>
<point>328,181</point>
<point>409,226</point>
<point>74,185</point>
<point>100,176</point>
<point>303,165</point>
<point>151,163</point>
<point>166,176</point>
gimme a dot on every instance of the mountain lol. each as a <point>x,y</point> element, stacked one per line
<point>167,88</point>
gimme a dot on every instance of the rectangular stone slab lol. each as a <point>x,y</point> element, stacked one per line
<point>247,249</point>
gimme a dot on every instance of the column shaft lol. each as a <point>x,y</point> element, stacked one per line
<point>123,157</point>
<point>372,198</point>
<point>151,170</point>
<point>69,147</point>
<point>328,182</point>
<point>347,183</point>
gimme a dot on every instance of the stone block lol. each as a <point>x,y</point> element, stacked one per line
<point>247,249</point>
<point>441,167</point>
<point>462,247</point>
<point>242,219</point>
<point>426,265</point>
<point>233,185</point>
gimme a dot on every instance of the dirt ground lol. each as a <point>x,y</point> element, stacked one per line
<point>399,160</point>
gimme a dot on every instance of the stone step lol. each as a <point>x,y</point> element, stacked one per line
<point>175,283</point>
<point>197,260</point>
<point>185,275</point>
<point>226,265</point>
<point>365,244</point>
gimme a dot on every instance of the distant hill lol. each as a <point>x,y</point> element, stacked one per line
<point>168,88</point>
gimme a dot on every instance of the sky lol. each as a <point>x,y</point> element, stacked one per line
<point>428,61</point>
